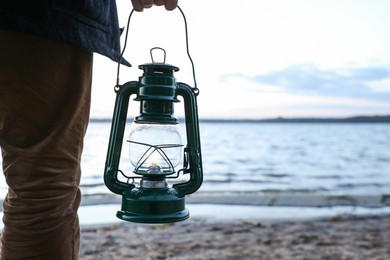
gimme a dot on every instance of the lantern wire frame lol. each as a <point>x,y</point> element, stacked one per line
<point>148,153</point>
<point>155,148</point>
<point>196,89</point>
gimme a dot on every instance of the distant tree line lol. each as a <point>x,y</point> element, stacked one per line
<point>355,119</point>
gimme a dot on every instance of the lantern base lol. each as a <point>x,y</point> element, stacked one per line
<point>153,205</point>
<point>153,219</point>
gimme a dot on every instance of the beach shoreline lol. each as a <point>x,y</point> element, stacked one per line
<point>256,198</point>
<point>225,231</point>
<point>245,226</point>
<point>338,237</point>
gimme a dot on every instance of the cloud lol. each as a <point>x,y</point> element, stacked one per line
<point>382,85</point>
<point>367,82</point>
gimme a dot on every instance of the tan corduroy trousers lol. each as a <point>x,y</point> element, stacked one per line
<point>45,91</point>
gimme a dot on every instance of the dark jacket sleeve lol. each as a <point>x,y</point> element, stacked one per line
<point>88,24</point>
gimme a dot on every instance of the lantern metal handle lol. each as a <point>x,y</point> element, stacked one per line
<point>157,48</point>
<point>196,89</point>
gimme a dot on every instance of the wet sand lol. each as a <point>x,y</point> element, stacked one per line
<point>347,237</point>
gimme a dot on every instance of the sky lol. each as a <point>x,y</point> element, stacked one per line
<point>263,59</point>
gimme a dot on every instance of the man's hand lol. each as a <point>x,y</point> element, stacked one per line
<point>139,5</point>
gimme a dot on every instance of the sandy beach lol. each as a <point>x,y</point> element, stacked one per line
<point>291,227</point>
<point>339,237</point>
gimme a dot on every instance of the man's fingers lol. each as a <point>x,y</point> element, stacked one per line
<point>170,4</point>
<point>139,5</point>
<point>147,3</point>
<point>159,2</point>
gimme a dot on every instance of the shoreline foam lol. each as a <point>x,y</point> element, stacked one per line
<point>266,199</point>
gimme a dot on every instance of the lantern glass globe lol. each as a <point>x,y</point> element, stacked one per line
<point>155,145</point>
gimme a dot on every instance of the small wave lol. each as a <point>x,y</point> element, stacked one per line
<point>360,185</point>
<point>289,191</point>
<point>276,175</point>
<point>382,159</point>
<point>337,177</point>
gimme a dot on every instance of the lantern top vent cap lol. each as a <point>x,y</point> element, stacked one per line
<point>156,65</point>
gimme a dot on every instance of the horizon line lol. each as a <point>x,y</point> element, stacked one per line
<point>351,119</point>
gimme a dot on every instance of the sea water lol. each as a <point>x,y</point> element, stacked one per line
<point>331,158</point>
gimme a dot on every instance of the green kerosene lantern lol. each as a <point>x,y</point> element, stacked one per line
<point>155,147</point>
